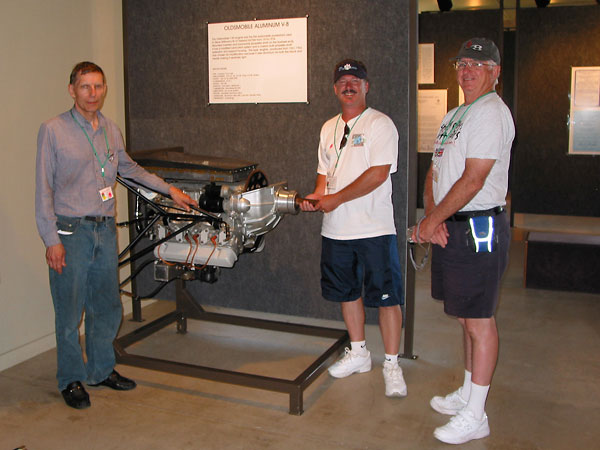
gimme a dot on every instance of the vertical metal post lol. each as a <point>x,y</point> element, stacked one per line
<point>411,176</point>
<point>136,306</point>
<point>296,401</point>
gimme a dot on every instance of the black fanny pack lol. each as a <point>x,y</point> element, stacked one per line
<point>482,234</point>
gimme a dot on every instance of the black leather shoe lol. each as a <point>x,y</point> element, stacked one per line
<point>75,396</point>
<point>117,382</point>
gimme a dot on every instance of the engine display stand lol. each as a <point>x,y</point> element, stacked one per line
<point>187,308</point>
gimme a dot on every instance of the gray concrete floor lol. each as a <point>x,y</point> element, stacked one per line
<point>545,393</point>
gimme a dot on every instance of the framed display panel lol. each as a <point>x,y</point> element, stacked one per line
<point>584,117</point>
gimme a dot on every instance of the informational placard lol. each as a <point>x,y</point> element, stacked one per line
<point>259,61</point>
<point>425,68</point>
<point>584,123</point>
<point>432,106</point>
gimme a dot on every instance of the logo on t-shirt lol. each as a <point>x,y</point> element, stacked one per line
<point>358,140</point>
<point>448,134</point>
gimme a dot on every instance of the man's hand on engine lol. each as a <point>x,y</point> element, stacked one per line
<point>181,199</point>
<point>328,203</point>
<point>310,205</point>
<point>324,203</point>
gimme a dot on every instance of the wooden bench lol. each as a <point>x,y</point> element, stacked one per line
<point>562,261</point>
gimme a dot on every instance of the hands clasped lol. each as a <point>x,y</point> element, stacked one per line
<point>427,230</point>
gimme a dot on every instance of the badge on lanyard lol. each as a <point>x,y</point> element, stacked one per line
<point>106,193</point>
<point>435,173</point>
<point>331,182</point>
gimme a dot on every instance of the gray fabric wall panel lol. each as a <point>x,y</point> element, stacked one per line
<point>166,70</point>
<point>547,180</point>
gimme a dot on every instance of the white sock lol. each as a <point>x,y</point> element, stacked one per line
<point>465,391</point>
<point>392,359</point>
<point>477,399</point>
<point>359,347</point>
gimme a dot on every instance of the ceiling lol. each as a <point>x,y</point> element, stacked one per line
<point>431,5</point>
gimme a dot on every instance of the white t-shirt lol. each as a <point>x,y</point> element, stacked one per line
<point>485,130</point>
<point>373,141</point>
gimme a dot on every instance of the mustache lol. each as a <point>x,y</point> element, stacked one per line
<point>349,91</point>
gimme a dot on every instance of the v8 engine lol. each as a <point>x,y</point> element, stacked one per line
<point>237,207</point>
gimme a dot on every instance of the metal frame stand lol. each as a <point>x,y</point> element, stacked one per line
<point>187,308</point>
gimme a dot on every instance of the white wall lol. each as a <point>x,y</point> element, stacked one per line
<point>40,42</point>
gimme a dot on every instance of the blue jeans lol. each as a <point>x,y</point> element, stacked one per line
<point>88,282</point>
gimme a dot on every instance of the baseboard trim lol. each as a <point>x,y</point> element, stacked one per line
<point>27,351</point>
<point>31,349</point>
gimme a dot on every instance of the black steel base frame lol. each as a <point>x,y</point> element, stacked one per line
<point>187,308</point>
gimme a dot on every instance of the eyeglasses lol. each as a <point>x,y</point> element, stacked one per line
<point>459,65</point>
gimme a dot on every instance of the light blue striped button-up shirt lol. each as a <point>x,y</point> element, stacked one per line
<point>69,175</point>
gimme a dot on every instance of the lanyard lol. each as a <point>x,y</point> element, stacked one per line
<point>453,124</point>
<point>339,152</point>
<point>102,164</point>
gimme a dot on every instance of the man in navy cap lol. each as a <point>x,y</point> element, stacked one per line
<point>465,192</point>
<point>358,151</point>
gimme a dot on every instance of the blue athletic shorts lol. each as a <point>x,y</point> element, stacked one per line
<point>466,281</point>
<point>372,265</point>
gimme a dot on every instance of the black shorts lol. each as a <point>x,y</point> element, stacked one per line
<point>348,266</point>
<point>468,282</point>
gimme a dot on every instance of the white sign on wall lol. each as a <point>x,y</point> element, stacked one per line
<point>259,61</point>
<point>426,64</point>
<point>584,122</point>
<point>432,106</point>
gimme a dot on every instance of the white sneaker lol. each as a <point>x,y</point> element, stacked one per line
<point>394,381</point>
<point>462,428</point>
<point>350,363</point>
<point>450,404</point>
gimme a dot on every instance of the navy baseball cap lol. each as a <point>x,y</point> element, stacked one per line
<point>479,49</point>
<point>349,67</point>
